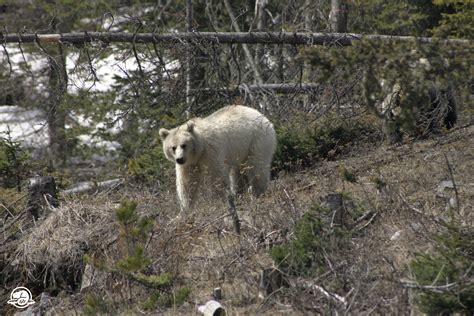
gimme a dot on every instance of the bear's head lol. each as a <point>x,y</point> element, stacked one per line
<point>180,144</point>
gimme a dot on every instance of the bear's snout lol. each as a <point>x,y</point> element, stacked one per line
<point>180,161</point>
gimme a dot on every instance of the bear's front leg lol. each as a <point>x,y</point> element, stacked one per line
<point>186,184</point>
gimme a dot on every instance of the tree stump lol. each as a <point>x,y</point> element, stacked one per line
<point>270,281</point>
<point>41,195</point>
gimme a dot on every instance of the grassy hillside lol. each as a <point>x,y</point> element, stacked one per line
<point>153,260</point>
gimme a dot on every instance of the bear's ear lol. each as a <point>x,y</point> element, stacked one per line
<point>190,127</point>
<point>164,133</point>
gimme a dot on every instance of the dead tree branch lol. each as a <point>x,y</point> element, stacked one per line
<point>291,38</point>
<point>248,55</point>
<point>451,174</point>
<point>432,288</point>
<point>316,288</point>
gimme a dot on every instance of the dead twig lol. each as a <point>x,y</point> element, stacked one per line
<point>7,55</point>
<point>411,207</point>
<point>248,55</point>
<point>134,48</point>
<point>368,222</point>
<point>436,219</point>
<point>317,288</point>
<point>306,186</point>
<point>363,217</point>
<point>432,288</point>
<point>27,67</point>
<point>199,228</point>
<point>6,209</point>
<point>13,221</point>
<point>456,192</point>
<point>290,200</point>
<point>91,67</point>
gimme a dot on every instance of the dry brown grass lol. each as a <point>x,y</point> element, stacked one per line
<point>202,252</point>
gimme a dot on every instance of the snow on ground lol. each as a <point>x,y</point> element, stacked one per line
<point>91,139</point>
<point>105,69</point>
<point>28,126</point>
<point>80,74</point>
<point>23,125</point>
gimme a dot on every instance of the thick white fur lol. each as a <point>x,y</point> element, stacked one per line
<point>233,146</point>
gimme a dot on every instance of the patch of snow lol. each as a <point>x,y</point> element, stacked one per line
<point>443,186</point>
<point>94,141</point>
<point>106,71</point>
<point>29,126</point>
<point>396,235</point>
<point>26,126</point>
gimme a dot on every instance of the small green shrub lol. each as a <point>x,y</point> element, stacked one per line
<point>126,213</point>
<point>151,302</point>
<point>95,305</point>
<point>347,174</point>
<point>134,231</point>
<point>450,263</point>
<point>175,298</point>
<point>14,163</point>
<point>313,237</point>
<point>134,263</point>
<point>149,166</point>
<point>302,144</point>
<point>379,183</point>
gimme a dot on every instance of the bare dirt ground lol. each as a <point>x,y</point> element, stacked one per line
<point>397,204</point>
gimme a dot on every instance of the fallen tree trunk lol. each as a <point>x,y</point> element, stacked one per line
<point>291,38</point>
<point>88,186</point>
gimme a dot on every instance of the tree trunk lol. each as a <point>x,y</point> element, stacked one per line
<point>189,26</point>
<point>338,16</point>
<point>280,57</point>
<point>307,67</point>
<point>196,60</point>
<point>262,24</point>
<point>56,112</point>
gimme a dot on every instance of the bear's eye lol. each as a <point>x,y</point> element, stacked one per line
<point>183,146</point>
<point>173,148</point>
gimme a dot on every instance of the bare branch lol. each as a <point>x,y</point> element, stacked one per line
<point>248,55</point>
<point>451,174</point>
<point>161,60</point>
<point>432,288</point>
<point>4,44</point>
<point>314,287</point>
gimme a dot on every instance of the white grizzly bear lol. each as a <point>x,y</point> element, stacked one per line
<point>232,146</point>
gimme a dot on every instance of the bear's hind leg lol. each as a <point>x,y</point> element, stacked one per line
<point>234,181</point>
<point>258,176</point>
